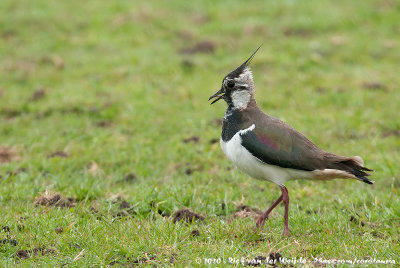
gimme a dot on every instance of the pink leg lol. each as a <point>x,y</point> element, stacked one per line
<point>285,199</point>
<point>265,215</point>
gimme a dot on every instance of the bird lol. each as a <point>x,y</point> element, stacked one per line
<point>268,149</point>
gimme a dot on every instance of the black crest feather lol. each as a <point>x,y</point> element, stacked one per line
<point>239,70</point>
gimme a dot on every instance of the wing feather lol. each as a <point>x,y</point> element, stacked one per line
<point>279,144</point>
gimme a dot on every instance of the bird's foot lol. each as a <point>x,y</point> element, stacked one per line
<point>261,221</point>
<point>286,231</point>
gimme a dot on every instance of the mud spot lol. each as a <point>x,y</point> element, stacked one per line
<point>186,35</point>
<point>300,32</point>
<point>200,47</point>
<point>8,154</point>
<point>12,242</point>
<point>125,209</point>
<point>195,232</point>
<point>22,254</point>
<point>16,172</point>
<point>104,124</point>
<point>187,65</point>
<point>26,254</point>
<point>124,205</point>
<point>321,90</point>
<point>37,95</point>
<point>130,177</point>
<point>187,216</point>
<point>54,200</point>
<point>8,34</point>
<point>194,139</point>
<point>59,230</point>
<point>244,211</point>
<point>393,132</point>
<point>54,60</point>
<point>356,221</point>
<point>213,141</point>
<point>172,259</point>
<point>94,210</point>
<point>193,168</point>
<point>10,113</point>
<point>61,154</point>
<point>309,211</point>
<point>189,168</point>
<point>374,86</point>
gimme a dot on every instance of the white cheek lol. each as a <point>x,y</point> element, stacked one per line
<point>240,99</point>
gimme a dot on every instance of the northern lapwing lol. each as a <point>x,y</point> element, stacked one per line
<point>266,148</point>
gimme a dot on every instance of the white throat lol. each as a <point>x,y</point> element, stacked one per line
<point>240,99</point>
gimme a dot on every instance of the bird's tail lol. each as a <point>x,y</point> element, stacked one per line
<point>355,166</point>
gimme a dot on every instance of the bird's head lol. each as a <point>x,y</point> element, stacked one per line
<point>237,87</point>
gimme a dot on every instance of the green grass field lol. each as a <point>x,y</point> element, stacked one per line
<point>105,103</point>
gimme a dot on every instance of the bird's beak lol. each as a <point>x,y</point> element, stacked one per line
<point>219,95</point>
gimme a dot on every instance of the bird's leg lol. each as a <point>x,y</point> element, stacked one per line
<point>285,199</point>
<point>264,216</point>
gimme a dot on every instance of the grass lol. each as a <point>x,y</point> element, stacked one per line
<point>116,95</point>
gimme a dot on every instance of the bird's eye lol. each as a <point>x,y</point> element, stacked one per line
<point>230,84</point>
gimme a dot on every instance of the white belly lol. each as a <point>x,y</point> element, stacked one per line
<point>254,167</point>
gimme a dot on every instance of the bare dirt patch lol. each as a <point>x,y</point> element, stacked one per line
<point>54,200</point>
<point>61,154</point>
<point>38,94</point>
<point>244,211</point>
<point>121,208</point>
<point>214,141</point>
<point>130,177</point>
<point>190,169</point>
<point>12,242</point>
<point>194,139</point>
<point>55,60</point>
<point>8,154</point>
<point>300,32</point>
<point>186,215</point>
<point>200,47</point>
<point>124,205</point>
<point>10,113</point>
<point>26,254</point>
<point>376,85</point>
<point>392,132</point>
<point>104,123</point>
<point>195,232</point>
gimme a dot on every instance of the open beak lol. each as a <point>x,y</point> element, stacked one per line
<point>219,95</point>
